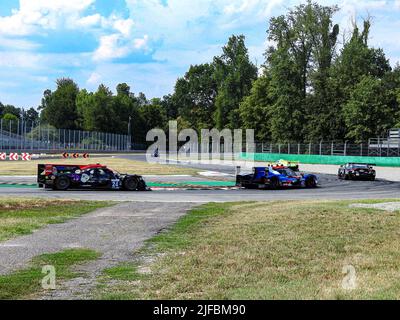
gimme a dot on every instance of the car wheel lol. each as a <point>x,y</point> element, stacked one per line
<point>131,183</point>
<point>141,186</point>
<point>311,183</point>
<point>346,177</point>
<point>62,183</point>
<point>274,183</point>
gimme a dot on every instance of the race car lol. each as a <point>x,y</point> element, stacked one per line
<point>274,177</point>
<point>93,176</point>
<point>285,163</point>
<point>357,171</point>
<point>294,165</point>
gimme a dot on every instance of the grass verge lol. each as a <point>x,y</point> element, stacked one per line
<point>274,250</point>
<point>26,283</point>
<point>23,216</point>
<point>15,168</point>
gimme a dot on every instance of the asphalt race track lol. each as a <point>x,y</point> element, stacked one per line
<point>331,188</point>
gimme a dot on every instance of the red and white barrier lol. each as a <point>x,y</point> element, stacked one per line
<point>26,157</point>
<point>15,156</point>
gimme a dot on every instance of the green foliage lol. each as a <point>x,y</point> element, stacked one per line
<point>153,115</point>
<point>9,109</point>
<point>195,95</point>
<point>59,107</point>
<point>367,113</point>
<point>9,117</point>
<point>256,109</point>
<point>235,74</point>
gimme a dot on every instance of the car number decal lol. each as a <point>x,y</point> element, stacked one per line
<point>85,178</point>
<point>115,183</point>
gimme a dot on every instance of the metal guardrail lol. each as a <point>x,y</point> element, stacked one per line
<point>375,147</point>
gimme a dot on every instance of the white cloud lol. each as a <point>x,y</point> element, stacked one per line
<point>124,26</point>
<point>141,43</point>
<point>17,44</point>
<point>90,21</point>
<point>109,48</point>
<point>33,16</point>
<point>117,46</point>
<point>94,79</point>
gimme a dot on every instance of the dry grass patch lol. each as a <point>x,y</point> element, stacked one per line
<point>122,165</point>
<point>277,250</point>
<point>23,216</point>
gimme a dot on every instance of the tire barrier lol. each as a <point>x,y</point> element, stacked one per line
<point>15,156</point>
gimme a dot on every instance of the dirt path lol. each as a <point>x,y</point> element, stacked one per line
<point>116,232</point>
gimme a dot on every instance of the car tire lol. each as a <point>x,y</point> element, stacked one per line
<point>61,183</point>
<point>311,183</point>
<point>141,186</point>
<point>274,183</point>
<point>131,184</point>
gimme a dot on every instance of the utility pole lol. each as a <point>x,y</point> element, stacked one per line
<point>129,134</point>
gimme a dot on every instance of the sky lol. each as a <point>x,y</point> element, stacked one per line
<point>146,43</point>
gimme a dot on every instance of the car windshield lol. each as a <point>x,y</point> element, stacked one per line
<point>287,172</point>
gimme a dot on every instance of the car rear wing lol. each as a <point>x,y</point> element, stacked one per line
<point>41,174</point>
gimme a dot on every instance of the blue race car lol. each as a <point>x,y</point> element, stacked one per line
<point>275,177</point>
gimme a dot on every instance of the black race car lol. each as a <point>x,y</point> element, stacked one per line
<point>357,171</point>
<point>95,176</point>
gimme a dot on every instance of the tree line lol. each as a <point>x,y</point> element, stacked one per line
<point>317,83</point>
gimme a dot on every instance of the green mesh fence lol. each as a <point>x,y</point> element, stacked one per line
<point>317,159</point>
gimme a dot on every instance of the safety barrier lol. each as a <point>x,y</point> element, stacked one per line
<point>15,156</point>
<point>67,155</point>
<point>317,159</point>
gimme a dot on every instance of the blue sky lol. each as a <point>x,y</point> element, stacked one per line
<point>146,43</point>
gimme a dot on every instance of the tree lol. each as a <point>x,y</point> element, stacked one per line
<point>10,109</point>
<point>123,89</point>
<point>125,106</point>
<point>367,113</point>
<point>171,107</point>
<point>9,117</point>
<point>9,122</point>
<point>153,116</point>
<point>59,107</point>
<point>96,110</point>
<point>31,116</point>
<point>357,60</point>
<point>195,95</point>
<point>255,110</point>
<point>235,74</point>
<point>299,64</point>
